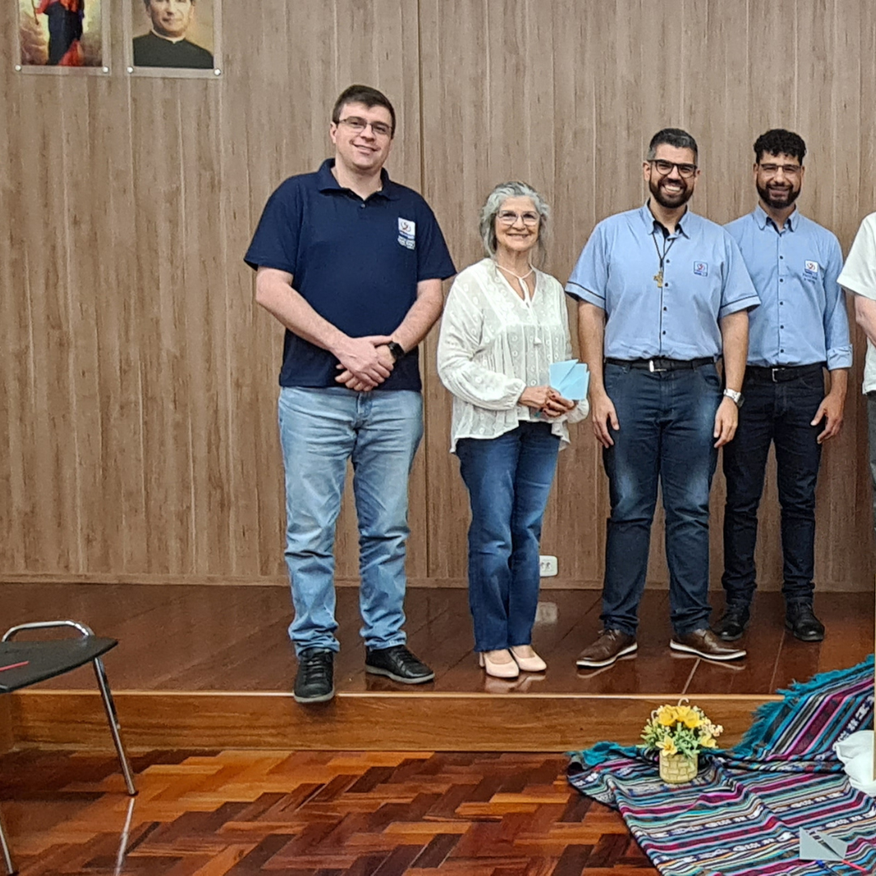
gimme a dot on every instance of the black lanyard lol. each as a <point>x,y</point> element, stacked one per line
<point>667,245</point>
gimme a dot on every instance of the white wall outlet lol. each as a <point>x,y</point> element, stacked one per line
<point>547,566</point>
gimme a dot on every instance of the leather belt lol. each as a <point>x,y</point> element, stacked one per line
<point>662,364</point>
<point>781,373</point>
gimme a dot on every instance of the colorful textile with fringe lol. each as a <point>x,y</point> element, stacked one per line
<point>741,816</point>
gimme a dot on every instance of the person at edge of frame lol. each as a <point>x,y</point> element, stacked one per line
<point>351,264</point>
<point>858,277</point>
<point>662,294</point>
<point>800,329</point>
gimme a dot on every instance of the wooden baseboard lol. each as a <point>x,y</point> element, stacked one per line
<point>367,721</point>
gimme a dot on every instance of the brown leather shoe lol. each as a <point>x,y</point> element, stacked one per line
<point>610,645</point>
<point>704,643</point>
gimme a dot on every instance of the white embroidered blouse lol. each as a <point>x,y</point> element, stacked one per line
<point>493,344</point>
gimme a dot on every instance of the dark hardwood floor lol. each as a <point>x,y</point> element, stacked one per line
<point>309,814</point>
<point>208,638</point>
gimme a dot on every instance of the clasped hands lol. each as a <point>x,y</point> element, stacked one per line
<point>364,363</point>
<point>547,400</point>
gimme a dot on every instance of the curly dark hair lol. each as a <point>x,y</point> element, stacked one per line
<point>778,141</point>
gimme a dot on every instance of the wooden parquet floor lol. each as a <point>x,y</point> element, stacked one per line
<point>309,814</point>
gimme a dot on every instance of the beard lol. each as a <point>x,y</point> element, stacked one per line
<point>780,198</point>
<point>666,199</point>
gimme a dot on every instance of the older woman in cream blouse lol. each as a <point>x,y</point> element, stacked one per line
<point>505,323</point>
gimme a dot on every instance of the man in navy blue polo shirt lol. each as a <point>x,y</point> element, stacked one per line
<point>800,328</point>
<point>662,293</point>
<point>351,264</point>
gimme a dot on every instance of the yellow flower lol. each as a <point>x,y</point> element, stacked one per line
<point>667,715</point>
<point>667,746</point>
<point>708,742</point>
<point>688,716</point>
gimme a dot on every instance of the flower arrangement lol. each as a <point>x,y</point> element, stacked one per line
<point>681,729</point>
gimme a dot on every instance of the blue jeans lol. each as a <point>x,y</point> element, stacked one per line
<point>320,430</point>
<point>777,413</point>
<point>509,480</point>
<point>666,425</point>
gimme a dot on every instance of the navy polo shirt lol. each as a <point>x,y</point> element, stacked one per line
<point>356,263</point>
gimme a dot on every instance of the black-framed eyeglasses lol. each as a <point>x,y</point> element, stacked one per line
<point>787,169</point>
<point>509,217</point>
<point>664,168</point>
<point>358,125</point>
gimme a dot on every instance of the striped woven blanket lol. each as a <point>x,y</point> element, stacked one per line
<point>742,814</point>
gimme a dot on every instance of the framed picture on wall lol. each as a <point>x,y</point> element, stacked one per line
<point>57,36</point>
<point>179,38</point>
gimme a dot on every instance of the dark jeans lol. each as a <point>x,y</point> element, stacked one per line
<point>777,413</point>
<point>509,480</point>
<point>666,424</point>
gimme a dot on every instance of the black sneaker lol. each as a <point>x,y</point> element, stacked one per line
<point>398,664</point>
<point>314,682</point>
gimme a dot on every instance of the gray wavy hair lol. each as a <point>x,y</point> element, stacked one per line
<point>493,204</point>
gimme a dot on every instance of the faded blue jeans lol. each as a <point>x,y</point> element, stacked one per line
<point>379,432</point>
<point>666,424</point>
<point>509,480</point>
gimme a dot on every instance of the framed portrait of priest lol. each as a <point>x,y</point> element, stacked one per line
<point>58,36</point>
<point>178,38</point>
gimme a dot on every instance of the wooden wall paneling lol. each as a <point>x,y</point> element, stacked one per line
<point>49,457</point>
<point>14,382</point>
<point>119,512</point>
<point>141,421</point>
<point>160,254</point>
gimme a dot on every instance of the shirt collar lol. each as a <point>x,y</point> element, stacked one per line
<point>168,39</point>
<point>326,181</point>
<point>652,225</point>
<point>760,216</point>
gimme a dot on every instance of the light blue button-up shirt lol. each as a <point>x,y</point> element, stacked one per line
<point>704,280</point>
<point>802,317</point>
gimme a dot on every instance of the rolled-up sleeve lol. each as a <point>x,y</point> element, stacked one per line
<point>738,292</point>
<point>589,278</point>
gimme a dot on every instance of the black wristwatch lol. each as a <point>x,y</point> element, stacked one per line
<point>395,350</point>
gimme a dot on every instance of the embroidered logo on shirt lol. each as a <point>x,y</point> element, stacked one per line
<point>810,270</point>
<point>701,269</point>
<point>407,233</point>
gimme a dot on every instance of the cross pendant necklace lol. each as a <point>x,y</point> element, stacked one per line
<point>667,245</point>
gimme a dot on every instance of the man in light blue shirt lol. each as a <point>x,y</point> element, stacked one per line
<point>662,293</point>
<point>800,328</point>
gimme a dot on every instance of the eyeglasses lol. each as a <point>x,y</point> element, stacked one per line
<point>357,125</point>
<point>787,169</point>
<point>508,217</point>
<point>685,171</point>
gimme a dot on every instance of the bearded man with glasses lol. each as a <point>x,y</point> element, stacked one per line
<point>800,330</point>
<point>351,264</point>
<point>662,295</point>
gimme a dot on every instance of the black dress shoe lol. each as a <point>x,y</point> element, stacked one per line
<point>314,682</point>
<point>398,664</point>
<point>801,621</point>
<point>732,625</point>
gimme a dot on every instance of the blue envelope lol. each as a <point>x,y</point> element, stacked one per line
<point>570,379</point>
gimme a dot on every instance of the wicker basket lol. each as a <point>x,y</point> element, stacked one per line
<point>676,769</point>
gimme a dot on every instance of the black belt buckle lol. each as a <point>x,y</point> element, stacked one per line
<point>653,369</point>
<point>774,371</point>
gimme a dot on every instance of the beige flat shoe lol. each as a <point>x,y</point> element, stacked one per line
<point>529,664</point>
<point>498,670</point>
